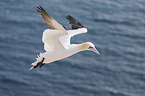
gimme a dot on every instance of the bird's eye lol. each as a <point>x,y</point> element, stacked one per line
<point>90,47</point>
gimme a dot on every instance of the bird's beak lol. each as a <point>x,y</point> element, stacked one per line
<point>94,50</point>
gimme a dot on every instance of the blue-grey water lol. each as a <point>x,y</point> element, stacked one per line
<point>116,27</point>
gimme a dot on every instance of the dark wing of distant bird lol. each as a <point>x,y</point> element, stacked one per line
<point>50,21</point>
<point>74,23</point>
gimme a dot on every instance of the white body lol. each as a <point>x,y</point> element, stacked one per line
<point>56,40</point>
<point>51,56</point>
<point>58,46</point>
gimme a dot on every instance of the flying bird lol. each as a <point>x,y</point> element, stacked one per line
<point>56,40</point>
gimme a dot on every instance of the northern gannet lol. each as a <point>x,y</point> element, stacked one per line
<point>56,40</point>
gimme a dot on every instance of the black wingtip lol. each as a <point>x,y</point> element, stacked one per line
<point>39,8</point>
<point>74,23</point>
<point>68,16</point>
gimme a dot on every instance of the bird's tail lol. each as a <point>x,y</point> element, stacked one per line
<point>38,63</point>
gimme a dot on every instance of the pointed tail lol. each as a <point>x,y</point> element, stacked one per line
<point>39,63</point>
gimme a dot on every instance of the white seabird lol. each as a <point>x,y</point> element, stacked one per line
<point>56,40</point>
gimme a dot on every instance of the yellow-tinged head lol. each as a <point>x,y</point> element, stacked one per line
<point>89,46</point>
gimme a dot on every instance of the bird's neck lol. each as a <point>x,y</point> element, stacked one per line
<point>83,46</point>
<point>73,49</point>
<point>79,47</point>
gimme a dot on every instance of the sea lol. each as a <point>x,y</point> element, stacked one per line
<point>116,27</point>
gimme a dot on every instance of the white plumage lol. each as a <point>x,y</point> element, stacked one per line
<point>56,40</point>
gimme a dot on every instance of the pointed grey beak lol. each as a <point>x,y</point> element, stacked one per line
<point>94,50</point>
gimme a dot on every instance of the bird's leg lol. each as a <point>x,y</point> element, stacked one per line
<point>40,64</point>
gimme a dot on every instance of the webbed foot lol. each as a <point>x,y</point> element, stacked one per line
<point>40,64</point>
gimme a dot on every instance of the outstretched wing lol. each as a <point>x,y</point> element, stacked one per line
<point>50,21</point>
<point>65,40</point>
<point>77,27</point>
<point>74,23</point>
<point>51,36</point>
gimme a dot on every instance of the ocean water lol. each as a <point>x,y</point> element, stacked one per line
<point>116,27</point>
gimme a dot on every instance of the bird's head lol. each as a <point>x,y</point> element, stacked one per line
<point>91,47</point>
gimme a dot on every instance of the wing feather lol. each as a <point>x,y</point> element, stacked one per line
<point>51,40</point>
<point>51,36</point>
<point>74,23</point>
<point>65,40</point>
<point>78,29</point>
<point>50,21</point>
